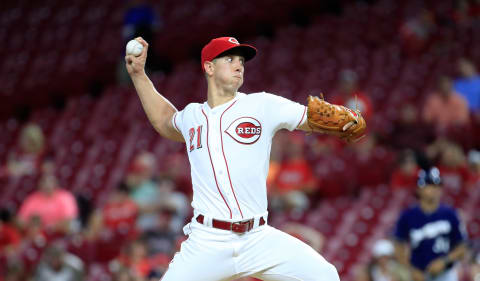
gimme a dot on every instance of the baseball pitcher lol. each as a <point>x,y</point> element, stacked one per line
<point>228,140</point>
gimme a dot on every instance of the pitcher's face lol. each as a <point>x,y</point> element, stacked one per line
<point>228,71</point>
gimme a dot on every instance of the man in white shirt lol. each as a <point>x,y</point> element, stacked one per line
<point>228,140</point>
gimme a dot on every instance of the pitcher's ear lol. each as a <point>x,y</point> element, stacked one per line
<point>208,66</point>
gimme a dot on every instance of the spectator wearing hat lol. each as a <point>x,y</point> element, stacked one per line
<point>430,233</point>
<point>383,266</point>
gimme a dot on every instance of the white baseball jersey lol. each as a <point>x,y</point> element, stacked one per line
<point>229,151</point>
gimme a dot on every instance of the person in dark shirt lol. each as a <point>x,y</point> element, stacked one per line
<point>430,233</point>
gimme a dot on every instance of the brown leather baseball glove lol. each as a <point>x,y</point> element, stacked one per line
<point>336,120</point>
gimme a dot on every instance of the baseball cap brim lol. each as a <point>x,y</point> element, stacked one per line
<point>247,51</point>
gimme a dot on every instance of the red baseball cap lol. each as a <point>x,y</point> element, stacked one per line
<point>220,45</point>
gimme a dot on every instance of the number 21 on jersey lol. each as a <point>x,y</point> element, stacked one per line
<point>192,132</point>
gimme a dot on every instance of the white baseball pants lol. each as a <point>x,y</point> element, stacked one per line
<point>211,254</point>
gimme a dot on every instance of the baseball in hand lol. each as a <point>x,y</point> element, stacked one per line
<point>134,48</point>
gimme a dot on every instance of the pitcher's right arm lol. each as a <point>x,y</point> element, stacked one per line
<point>158,109</point>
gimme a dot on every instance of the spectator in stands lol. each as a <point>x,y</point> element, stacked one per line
<point>468,84</point>
<point>349,95</point>
<point>430,237</point>
<point>56,207</point>
<point>434,149</point>
<point>144,189</point>
<point>176,169</point>
<point>453,166</point>
<point>417,31</point>
<point>410,131</point>
<point>172,203</point>
<point>135,258</point>
<point>326,156</point>
<point>155,275</point>
<point>118,215</point>
<point>140,19</point>
<point>307,234</point>
<point>161,240</point>
<point>58,264</point>
<point>102,242</point>
<point>94,226</point>
<point>405,175</point>
<point>445,108</point>
<point>364,155</point>
<point>124,274</point>
<point>48,165</point>
<point>276,156</point>
<point>383,265</point>
<point>14,272</point>
<point>26,160</point>
<point>34,234</point>
<point>10,236</point>
<point>475,268</point>
<point>475,10</point>
<point>462,15</point>
<point>321,146</point>
<point>153,195</point>
<point>474,169</point>
<point>294,178</point>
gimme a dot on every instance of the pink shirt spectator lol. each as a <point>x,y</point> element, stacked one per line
<point>51,209</point>
<point>445,112</point>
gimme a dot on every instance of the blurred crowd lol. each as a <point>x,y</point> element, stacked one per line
<point>59,235</point>
<point>55,233</point>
